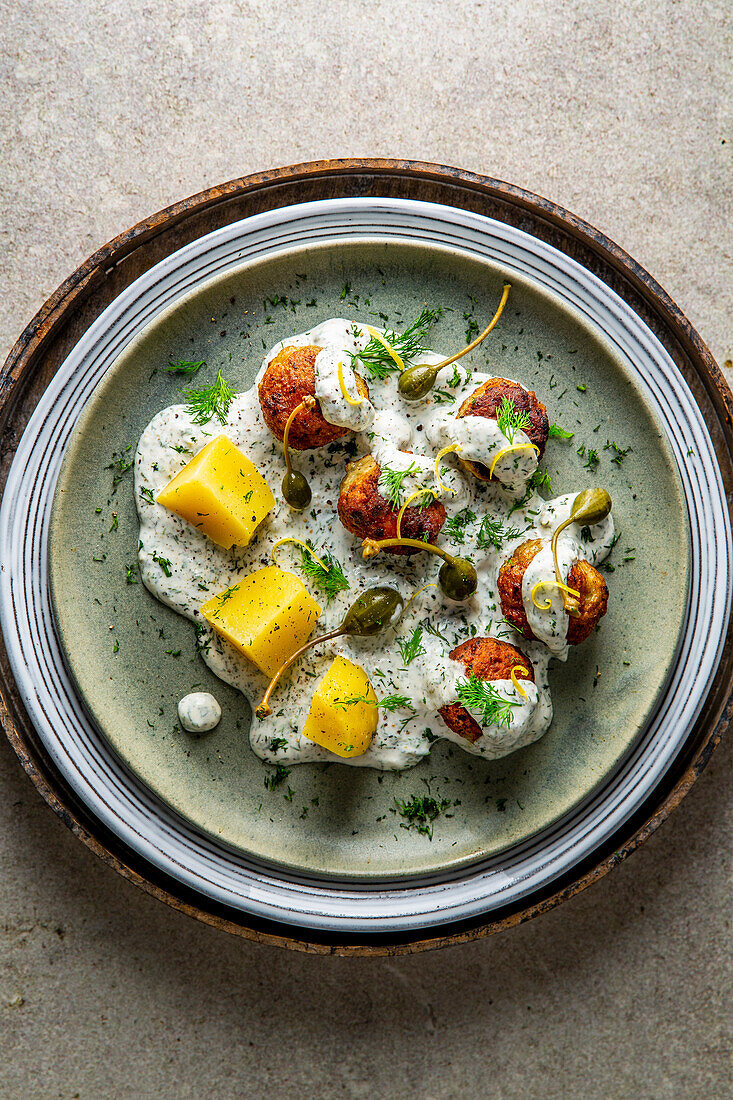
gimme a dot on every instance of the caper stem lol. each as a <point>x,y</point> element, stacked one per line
<point>373,546</point>
<point>307,403</point>
<point>482,336</point>
<point>553,547</point>
<point>264,709</point>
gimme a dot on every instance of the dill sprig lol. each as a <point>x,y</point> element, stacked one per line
<point>560,433</point>
<point>420,812</point>
<point>541,479</point>
<point>509,420</point>
<point>390,483</point>
<point>389,702</point>
<point>455,527</point>
<point>184,366</point>
<point>492,532</point>
<point>330,580</point>
<point>210,401</point>
<point>482,699</point>
<point>376,360</point>
<point>412,647</point>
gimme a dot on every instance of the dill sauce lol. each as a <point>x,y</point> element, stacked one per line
<point>387,427</point>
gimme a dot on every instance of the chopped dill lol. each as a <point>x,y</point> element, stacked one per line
<point>389,702</point>
<point>147,495</point>
<point>591,460</point>
<point>560,433</point>
<point>420,812</point>
<point>210,401</point>
<point>120,463</point>
<point>482,699</point>
<point>277,743</point>
<point>541,479</point>
<point>183,366</point>
<point>619,453</point>
<point>390,482</point>
<point>131,574</point>
<point>164,564</point>
<point>509,420</point>
<point>376,360</point>
<point>330,580</point>
<point>455,527</point>
<point>274,779</point>
<point>412,647</point>
<point>492,532</point>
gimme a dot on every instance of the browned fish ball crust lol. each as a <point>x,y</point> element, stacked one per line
<point>485,401</point>
<point>290,377</point>
<point>487,659</point>
<point>583,577</point>
<point>367,514</point>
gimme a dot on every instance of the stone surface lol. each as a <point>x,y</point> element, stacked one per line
<point>621,113</point>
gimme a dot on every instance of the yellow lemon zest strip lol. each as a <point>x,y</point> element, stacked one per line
<point>508,450</point>
<point>388,347</point>
<point>515,681</point>
<point>417,593</point>
<point>412,496</point>
<point>551,584</point>
<point>450,449</point>
<point>342,384</point>
<point>299,542</point>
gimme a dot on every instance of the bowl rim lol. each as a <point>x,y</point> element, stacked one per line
<point>100,278</point>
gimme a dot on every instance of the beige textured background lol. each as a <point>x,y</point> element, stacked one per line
<point>621,112</point>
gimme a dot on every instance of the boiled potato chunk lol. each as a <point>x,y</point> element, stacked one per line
<point>266,616</point>
<point>334,722</point>
<point>221,493</point>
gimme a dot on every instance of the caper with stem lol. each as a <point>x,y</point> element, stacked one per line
<point>416,382</point>
<point>457,577</point>
<point>375,609</point>
<point>295,488</point>
<point>589,507</point>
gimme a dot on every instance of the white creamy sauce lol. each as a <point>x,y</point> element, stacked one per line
<point>390,428</point>
<point>199,712</point>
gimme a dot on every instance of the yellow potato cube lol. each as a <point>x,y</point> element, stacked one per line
<point>336,720</point>
<point>266,616</point>
<point>221,493</point>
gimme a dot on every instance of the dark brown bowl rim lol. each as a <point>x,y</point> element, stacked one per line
<point>38,352</point>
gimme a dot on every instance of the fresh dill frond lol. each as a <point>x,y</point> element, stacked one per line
<point>412,647</point>
<point>481,698</point>
<point>442,397</point>
<point>184,366</point>
<point>204,404</point>
<point>389,702</point>
<point>492,532</point>
<point>541,479</point>
<point>511,421</point>
<point>120,464</point>
<point>330,580</point>
<point>376,360</point>
<point>431,628</point>
<point>560,433</point>
<point>420,812</point>
<point>390,482</point>
<point>274,779</point>
<point>455,527</point>
<point>619,453</point>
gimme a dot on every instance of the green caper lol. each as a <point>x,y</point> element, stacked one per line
<point>591,506</point>
<point>458,578</point>
<point>417,381</point>
<point>372,612</point>
<point>296,490</point>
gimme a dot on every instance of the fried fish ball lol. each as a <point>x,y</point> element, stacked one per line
<point>487,659</point>
<point>485,401</point>
<point>367,514</point>
<point>290,377</point>
<point>583,577</point>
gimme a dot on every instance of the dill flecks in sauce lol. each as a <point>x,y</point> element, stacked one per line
<point>182,568</point>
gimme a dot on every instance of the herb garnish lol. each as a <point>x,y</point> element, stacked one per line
<point>389,702</point>
<point>455,528</point>
<point>560,433</point>
<point>274,779</point>
<point>120,464</point>
<point>376,360</point>
<point>481,697</point>
<point>411,647</point>
<point>182,366</point>
<point>541,479</point>
<point>619,453</point>
<point>493,533</point>
<point>164,564</point>
<point>509,420</point>
<point>390,482</point>
<point>421,811</point>
<point>330,580</point>
<point>211,401</point>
